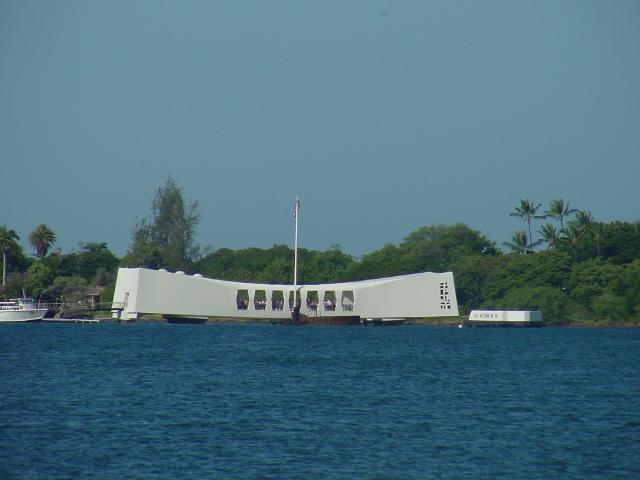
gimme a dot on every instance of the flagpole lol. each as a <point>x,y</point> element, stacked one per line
<point>295,252</point>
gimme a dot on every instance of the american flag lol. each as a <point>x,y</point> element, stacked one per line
<point>296,209</point>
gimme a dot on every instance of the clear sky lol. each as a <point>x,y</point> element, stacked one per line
<point>384,116</point>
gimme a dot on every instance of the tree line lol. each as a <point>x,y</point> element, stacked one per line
<point>54,277</point>
<point>577,270</point>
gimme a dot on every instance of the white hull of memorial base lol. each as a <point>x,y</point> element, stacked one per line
<point>505,318</point>
<point>178,296</point>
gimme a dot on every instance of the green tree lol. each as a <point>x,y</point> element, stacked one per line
<point>583,219</point>
<point>550,268</point>
<point>471,273</point>
<point>103,277</point>
<point>8,245</point>
<point>41,239</point>
<point>273,265</point>
<point>550,235</point>
<point>143,251</point>
<point>67,289</point>
<point>174,224</point>
<point>632,289</point>
<point>278,271</point>
<point>93,257</point>
<point>597,232</point>
<point>14,285</point>
<point>518,243</point>
<point>60,265</point>
<point>610,307</point>
<point>432,248</point>
<point>168,238</point>
<point>436,247</point>
<point>552,302</point>
<point>107,293</point>
<point>582,224</point>
<point>327,266</point>
<point>527,210</point>
<point>574,236</point>
<point>559,211</point>
<point>384,262</point>
<point>620,244</point>
<point>39,277</point>
<point>593,278</point>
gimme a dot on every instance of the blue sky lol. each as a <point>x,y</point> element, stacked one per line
<point>383,116</point>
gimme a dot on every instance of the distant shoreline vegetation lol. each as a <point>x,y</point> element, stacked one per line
<point>573,268</point>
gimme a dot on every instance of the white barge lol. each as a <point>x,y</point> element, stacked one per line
<point>505,318</point>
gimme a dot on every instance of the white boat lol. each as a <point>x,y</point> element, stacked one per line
<point>21,310</point>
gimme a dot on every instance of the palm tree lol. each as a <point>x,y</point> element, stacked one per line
<point>597,231</point>
<point>41,239</point>
<point>527,211</point>
<point>584,218</point>
<point>8,242</point>
<point>559,211</point>
<point>550,235</point>
<point>518,243</point>
<point>574,234</point>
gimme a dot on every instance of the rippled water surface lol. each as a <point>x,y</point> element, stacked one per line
<point>114,401</point>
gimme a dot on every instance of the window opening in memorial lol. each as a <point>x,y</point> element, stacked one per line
<point>291,299</point>
<point>277,300</point>
<point>347,300</point>
<point>242,299</point>
<point>260,300</point>
<point>312,300</point>
<point>329,301</point>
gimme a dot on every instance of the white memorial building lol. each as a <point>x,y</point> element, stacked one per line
<point>177,295</point>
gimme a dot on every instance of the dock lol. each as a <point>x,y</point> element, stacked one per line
<point>71,320</point>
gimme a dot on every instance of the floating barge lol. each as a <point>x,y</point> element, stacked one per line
<point>505,318</point>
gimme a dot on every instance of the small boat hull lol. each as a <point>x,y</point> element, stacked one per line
<point>10,316</point>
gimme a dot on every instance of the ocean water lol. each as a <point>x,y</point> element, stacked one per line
<point>149,401</point>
